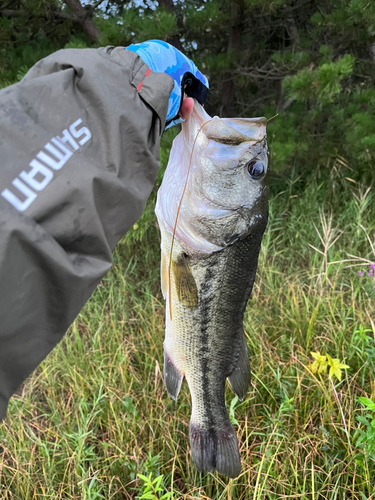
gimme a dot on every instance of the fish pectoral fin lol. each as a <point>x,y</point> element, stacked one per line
<point>172,377</point>
<point>186,287</point>
<point>240,377</point>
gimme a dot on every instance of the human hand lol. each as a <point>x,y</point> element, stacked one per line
<point>186,107</point>
<point>189,82</point>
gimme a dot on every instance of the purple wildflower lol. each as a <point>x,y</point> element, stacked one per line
<point>371,272</point>
<point>360,273</point>
<point>372,266</point>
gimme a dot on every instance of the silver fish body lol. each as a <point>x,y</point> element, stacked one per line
<point>213,266</point>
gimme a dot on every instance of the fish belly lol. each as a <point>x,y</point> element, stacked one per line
<point>206,344</point>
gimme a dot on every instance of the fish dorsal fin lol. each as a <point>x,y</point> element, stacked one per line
<point>186,287</point>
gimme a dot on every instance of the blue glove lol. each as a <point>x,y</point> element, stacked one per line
<point>162,57</point>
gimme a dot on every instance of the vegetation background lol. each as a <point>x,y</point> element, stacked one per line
<point>95,414</point>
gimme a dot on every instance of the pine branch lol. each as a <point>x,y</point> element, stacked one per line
<point>83,17</point>
<point>79,15</point>
<point>23,13</point>
<point>96,4</point>
<point>12,13</point>
<point>170,7</point>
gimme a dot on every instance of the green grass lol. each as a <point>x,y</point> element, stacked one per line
<point>95,413</point>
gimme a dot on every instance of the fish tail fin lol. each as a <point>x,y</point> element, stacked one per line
<point>215,449</point>
<point>240,377</point>
<point>172,377</point>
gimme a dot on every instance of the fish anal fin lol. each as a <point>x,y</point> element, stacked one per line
<point>215,449</point>
<point>186,287</point>
<point>240,377</point>
<point>172,377</point>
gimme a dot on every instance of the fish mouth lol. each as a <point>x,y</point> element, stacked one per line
<point>236,131</point>
<point>230,131</point>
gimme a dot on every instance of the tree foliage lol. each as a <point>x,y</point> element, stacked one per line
<point>310,61</point>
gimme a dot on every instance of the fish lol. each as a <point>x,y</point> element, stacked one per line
<point>212,211</point>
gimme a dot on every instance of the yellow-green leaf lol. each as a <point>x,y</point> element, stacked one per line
<point>320,364</point>
<point>319,357</point>
<point>336,367</point>
<point>322,367</point>
<point>314,367</point>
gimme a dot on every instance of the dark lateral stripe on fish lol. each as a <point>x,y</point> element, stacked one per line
<point>204,362</point>
<point>205,309</point>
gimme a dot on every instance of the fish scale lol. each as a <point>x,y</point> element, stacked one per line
<point>208,290</point>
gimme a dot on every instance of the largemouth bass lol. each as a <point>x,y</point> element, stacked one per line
<point>208,273</point>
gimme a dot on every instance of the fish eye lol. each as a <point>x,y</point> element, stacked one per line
<point>255,169</point>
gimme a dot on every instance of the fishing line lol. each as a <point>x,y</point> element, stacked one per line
<point>272,117</point>
<point>175,224</point>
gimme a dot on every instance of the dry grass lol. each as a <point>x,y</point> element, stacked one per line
<point>95,413</point>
